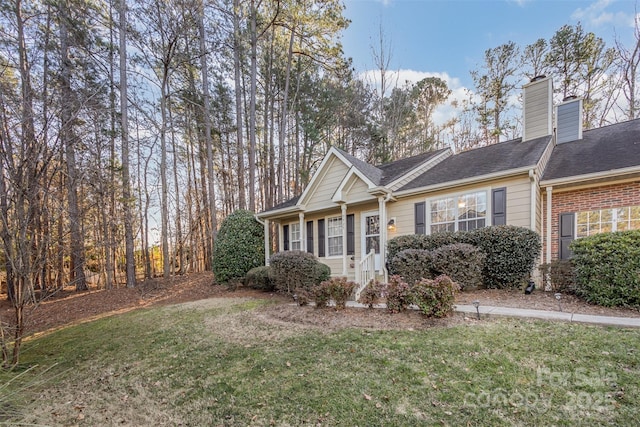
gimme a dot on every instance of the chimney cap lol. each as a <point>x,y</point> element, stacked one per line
<point>538,78</point>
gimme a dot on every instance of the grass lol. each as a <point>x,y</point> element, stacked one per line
<point>220,364</point>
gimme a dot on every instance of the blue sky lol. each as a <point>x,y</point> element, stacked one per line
<point>448,37</point>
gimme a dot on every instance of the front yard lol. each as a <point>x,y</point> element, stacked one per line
<point>250,362</point>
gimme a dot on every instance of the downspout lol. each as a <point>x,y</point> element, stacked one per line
<point>534,199</point>
<point>383,241</point>
<point>549,213</point>
<point>343,209</point>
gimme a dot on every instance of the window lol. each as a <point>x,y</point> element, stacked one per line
<point>334,236</point>
<point>295,236</point>
<point>607,220</point>
<point>459,213</point>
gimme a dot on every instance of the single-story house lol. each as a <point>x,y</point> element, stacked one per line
<point>561,181</point>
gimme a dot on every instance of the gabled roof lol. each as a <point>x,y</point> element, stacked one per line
<point>602,150</point>
<point>492,159</point>
<point>284,205</point>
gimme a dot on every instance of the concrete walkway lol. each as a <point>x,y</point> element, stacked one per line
<point>489,311</point>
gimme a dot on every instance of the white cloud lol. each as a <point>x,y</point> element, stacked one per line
<point>597,15</point>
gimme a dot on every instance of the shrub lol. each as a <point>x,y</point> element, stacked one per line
<point>397,294</point>
<point>412,264</point>
<point>511,253</point>
<point>561,275</point>
<point>321,294</point>
<point>259,278</point>
<point>607,268</point>
<point>372,293</point>
<point>238,248</point>
<point>303,296</point>
<point>297,270</point>
<point>340,289</point>
<point>462,262</point>
<point>401,243</point>
<point>435,298</point>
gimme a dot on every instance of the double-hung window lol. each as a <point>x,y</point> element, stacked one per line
<point>294,229</point>
<point>334,236</point>
<point>463,212</point>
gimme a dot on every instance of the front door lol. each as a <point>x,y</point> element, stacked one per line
<point>371,235</point>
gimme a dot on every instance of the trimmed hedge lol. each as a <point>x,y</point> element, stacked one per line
<point>561,275</point>
<point>337,288</point>
<point>510,252</point>
<point>260,278</point>
<point>238,248</point>
<point>294,270</point>
<point>412,265</point>
<point>462,262</point>
<point>607,268</point>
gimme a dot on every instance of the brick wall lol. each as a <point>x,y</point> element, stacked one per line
<point>603,197</point>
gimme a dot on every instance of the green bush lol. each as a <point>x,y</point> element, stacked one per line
<point>511,254</point>
<point>561,275</point>
<point>372,293</point>
<point>435,297</point>
<point>260,278</point>
<point>607,268</point>
<point>293,270</point>
<point>423,241</point>
<point>462,262</point>
<point>412,265</point>
<point>398,294</point>
<point>238,248</point>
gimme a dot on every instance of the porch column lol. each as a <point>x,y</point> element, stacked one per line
<point>303,231</point>
<point>266,242</point>
<point>382,209</point>
<point>548,239</point>
<point>345,263</point>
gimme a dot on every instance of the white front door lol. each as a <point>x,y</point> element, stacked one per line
<point>371,235</point>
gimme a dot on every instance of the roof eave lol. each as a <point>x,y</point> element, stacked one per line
<point>584,178</point>
<point>280,212</point>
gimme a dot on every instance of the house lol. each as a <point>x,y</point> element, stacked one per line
<point>561,181</point>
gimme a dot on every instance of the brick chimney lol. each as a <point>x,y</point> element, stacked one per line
<point>538,108</point>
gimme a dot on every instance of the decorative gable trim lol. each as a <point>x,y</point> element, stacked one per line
<point>347,183</point>
<point>322,172</point>
<point>418,170</point>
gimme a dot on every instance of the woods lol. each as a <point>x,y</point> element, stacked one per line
<point>129,130</point>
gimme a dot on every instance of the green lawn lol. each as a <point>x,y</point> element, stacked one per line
<point>221,364</point>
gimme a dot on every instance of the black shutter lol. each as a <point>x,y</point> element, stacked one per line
<point>321,237</point>
<point>351,235</point>
<point>285,235</point>
<point>499,206</point>
<point>310,237</point>
<point>420,212</point>
<point>567,234</point>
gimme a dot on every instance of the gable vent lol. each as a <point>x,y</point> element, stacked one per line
<point>538,108</point>
<point>569,120</point>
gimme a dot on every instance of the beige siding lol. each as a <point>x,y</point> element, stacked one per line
<point>538,110</point>
<point>359,191</point>
<point>320,196</point>
<point>518,203</point>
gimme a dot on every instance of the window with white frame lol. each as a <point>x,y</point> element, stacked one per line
<point>294,230</point>
<point>463,212</point>
<point>334,236</point>
<point>607,220</point>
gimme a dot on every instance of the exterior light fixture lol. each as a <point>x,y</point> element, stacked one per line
<point>391,225</point>
<point>558,296</point>
<point>476,304</point>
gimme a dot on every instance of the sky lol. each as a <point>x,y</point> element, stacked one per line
<point>448,38</point>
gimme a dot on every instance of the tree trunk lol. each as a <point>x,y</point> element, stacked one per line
<point>237,52</point>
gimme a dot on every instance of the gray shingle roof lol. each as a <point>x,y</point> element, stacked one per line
<point>286,204</point>
<point>603,149</point>
<point>494,158</point>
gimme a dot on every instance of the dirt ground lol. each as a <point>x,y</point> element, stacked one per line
<point>71,307</point>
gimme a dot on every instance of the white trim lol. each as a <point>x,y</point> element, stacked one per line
<point>347,183</point>
<point>534,200</point>
<point>326,238</point>
<point>266,242</point>
<point>343,209</point>
<point>579,179</point>
<point>363,228</point>
<point>460,182</point>
<point>321,172</point>
<point>549,213</point>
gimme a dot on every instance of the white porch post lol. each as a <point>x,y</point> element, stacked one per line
<point>548,240</point>
<point>280,237</point>
<point>345,264</point>
<point>382,209</point>
<point>303,237</point>
<point>266,242</point>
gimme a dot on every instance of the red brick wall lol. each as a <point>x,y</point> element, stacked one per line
<point>604,197</point>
